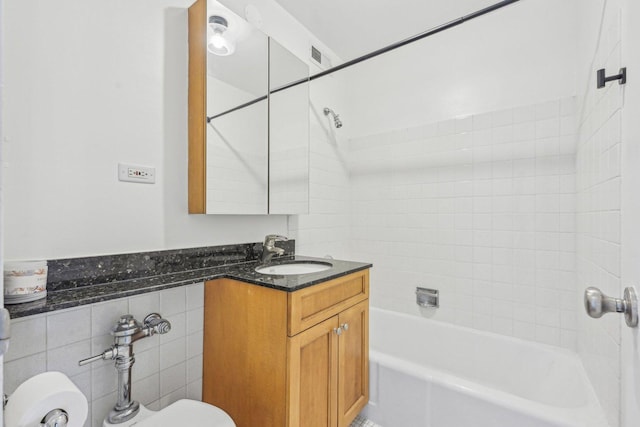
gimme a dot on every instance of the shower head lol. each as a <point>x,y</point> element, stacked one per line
<point>336,117</point>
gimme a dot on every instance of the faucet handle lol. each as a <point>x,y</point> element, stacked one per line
<point>156,324</point>
<point>270,239</point>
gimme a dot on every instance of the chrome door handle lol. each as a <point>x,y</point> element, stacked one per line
<point>345,326</point>
<point>597,304</point>
<point>338,331</point>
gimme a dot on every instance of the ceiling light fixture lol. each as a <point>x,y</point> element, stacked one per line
<point>218,44</point>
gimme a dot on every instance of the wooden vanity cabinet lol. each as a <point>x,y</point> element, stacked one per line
<point>328,373</point>
<point>286,359</point>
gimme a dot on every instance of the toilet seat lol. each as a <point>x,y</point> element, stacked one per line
<point>184,412</point>
<point>191,413</point>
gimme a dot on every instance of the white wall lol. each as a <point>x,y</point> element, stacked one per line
<point>113,90</point>
<point>110,87</point>
<point>279,24</point>
<point>522,54</point>
<point>599,178</point>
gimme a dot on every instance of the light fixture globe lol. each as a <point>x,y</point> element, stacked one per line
<point>217,43</point>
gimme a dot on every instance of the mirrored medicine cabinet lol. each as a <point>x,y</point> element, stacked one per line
<point>248,118</point>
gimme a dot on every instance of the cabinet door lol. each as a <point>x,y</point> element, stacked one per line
<point>313,376</point>
<point>353,383</point>
<point>245,352</point>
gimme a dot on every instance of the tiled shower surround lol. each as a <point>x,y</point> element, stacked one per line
<point>599,178</point>
<point>480,207</point>
<point>168,367</point>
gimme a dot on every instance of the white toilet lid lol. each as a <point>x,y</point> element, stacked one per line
<point>190,413</point>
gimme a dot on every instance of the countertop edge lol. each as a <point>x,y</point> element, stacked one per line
<point>244,272</point>
<point>306,284</point>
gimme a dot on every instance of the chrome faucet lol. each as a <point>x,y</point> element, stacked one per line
<point>269,249</point>
<point>125,332</point>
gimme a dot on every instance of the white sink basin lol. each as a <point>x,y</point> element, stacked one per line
<point>294,268</point>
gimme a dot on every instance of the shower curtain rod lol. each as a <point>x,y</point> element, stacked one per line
<point>378,52</point>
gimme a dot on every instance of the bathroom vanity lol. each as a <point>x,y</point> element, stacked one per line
<point>277,357</point>
<point>282,344</point>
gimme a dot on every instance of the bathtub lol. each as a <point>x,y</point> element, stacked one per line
<point>425,373</point>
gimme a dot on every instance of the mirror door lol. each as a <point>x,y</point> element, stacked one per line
<point>237,108</point>
<point>288,132</point>
<point>248,118</point>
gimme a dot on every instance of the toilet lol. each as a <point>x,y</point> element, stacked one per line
<point>185,412</point>
<point>52,397</point>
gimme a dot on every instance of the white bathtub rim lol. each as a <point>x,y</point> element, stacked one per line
<point>568,357</point>
<point>522,342</point>
<point>564,353</point>
<point>583,416</point>
<point>590,407</point>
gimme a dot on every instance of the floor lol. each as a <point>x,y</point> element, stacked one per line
<point>363,422</point>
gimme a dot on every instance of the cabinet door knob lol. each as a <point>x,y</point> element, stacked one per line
<point>338,331</point>
<point>345,326</point>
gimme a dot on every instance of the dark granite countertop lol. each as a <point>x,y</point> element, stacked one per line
<point>62,298</point>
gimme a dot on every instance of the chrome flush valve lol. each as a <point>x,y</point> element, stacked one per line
<point>157,324</point>
<point>125,332</point>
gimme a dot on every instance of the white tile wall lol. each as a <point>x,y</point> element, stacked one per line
<point>168,367</point>
<point>598,217</point>
<point>480,207</point>
<point>326,230</point>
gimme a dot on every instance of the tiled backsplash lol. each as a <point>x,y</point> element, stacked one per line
<point>168,367</point>
<point>77,272</point>
<point>480,207</point>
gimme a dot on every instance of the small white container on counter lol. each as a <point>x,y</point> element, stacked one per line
<point>24,281</point>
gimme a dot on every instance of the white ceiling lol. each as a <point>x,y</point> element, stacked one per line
<point>352,28</point>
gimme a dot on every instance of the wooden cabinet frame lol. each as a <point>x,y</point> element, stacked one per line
<point>262,375</point>
<point>197,106</point>
<point>353,363</point>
